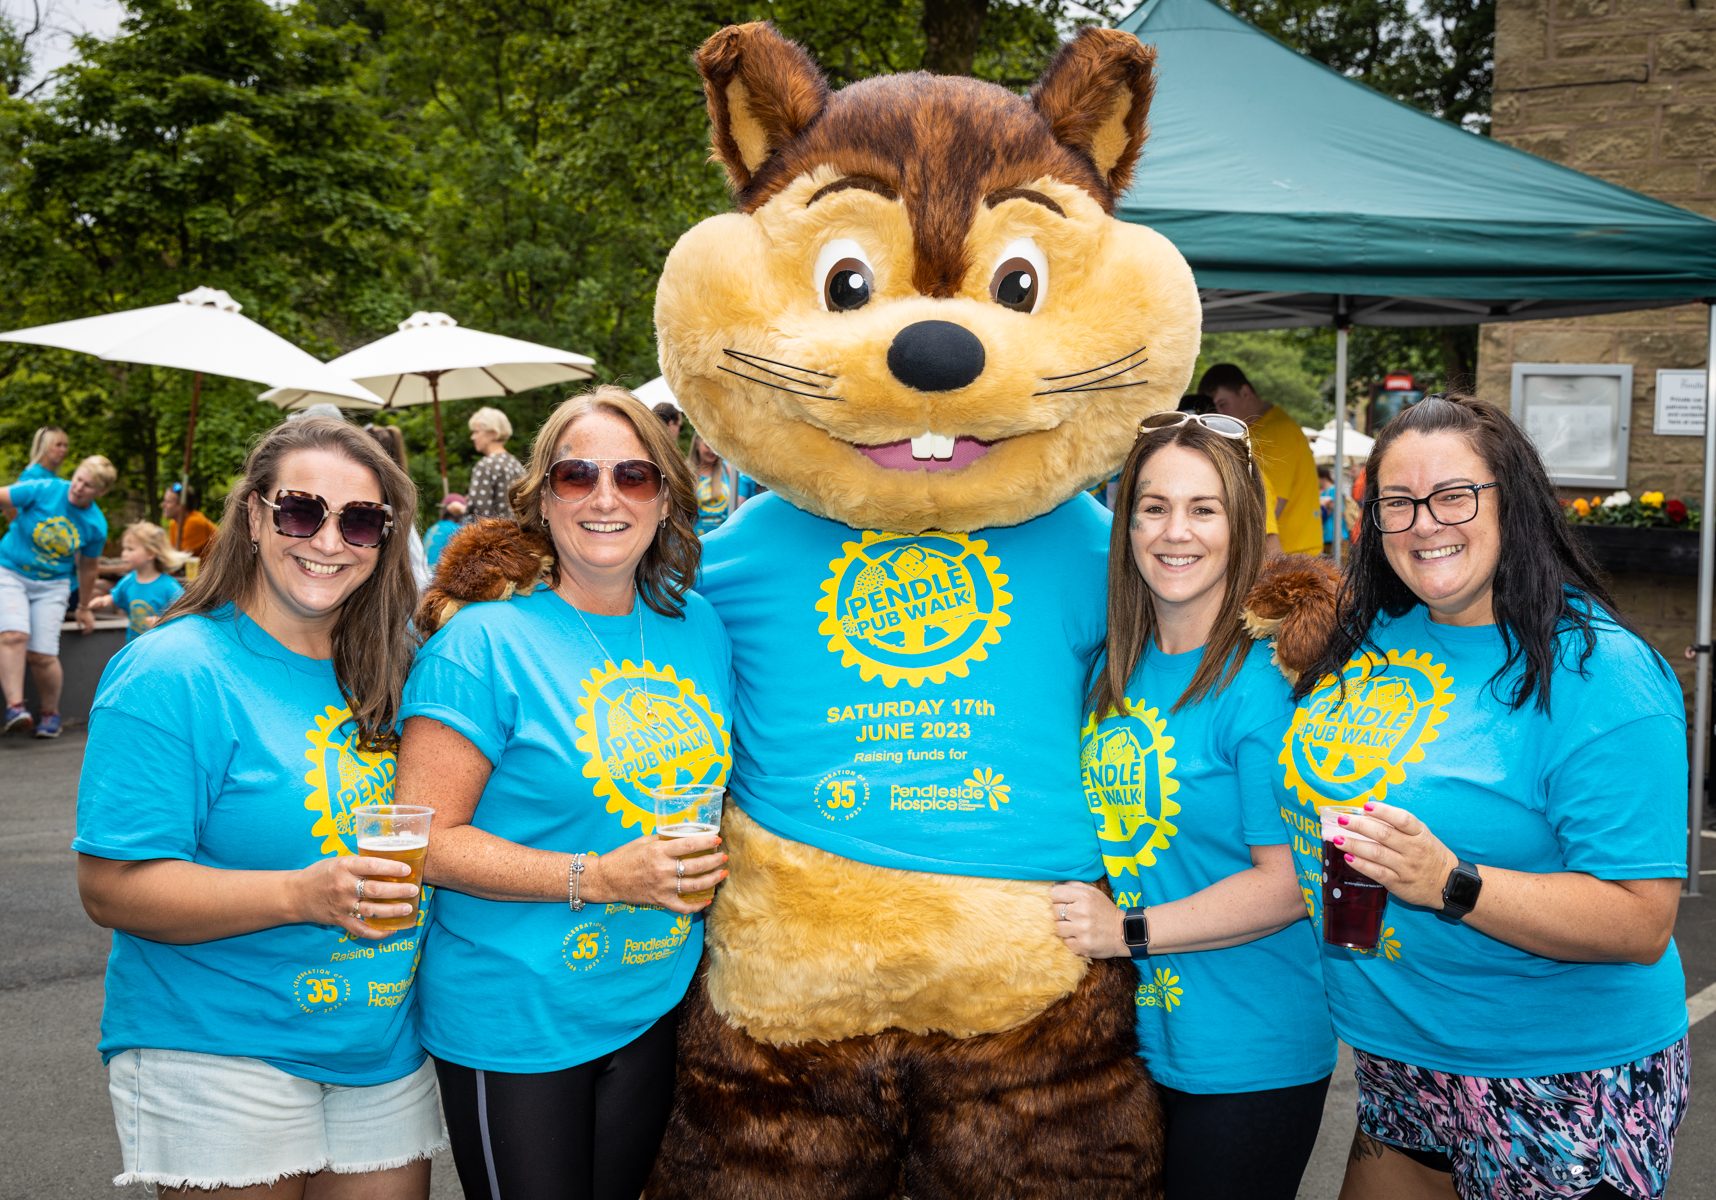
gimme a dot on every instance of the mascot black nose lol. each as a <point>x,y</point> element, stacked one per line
<point>935,356</point>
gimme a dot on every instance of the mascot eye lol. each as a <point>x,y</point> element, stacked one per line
<point>844,277</point>
<point>848,286</point>
<point>1022,279</point>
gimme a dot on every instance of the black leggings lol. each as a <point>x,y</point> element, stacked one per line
<point>1240,1145</point>
<point>588,1132</point>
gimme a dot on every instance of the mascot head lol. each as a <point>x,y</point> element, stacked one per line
<point>923,314</point>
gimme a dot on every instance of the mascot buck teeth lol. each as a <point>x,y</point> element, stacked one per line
<point>924,330</point>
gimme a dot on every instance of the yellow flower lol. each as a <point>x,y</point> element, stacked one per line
<point>990,782</point>
<point>1651,499</point>
<point>1582,507</point>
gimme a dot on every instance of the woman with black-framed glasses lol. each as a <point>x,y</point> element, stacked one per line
<point>242,1032</point>
<point>1520,756</point>
<point>564,934</point>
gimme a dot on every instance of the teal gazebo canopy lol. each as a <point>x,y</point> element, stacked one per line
<point>1300,197</point>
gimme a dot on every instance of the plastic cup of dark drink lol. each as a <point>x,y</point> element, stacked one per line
<point>1353,903</point>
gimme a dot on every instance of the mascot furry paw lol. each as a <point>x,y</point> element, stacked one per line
<point>924,330</point>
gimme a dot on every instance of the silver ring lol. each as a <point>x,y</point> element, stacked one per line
<point>678,889</point>
<point>681,871</point>
<point>357,912</point>
<point>361,881</point>
<point>1063,915</point>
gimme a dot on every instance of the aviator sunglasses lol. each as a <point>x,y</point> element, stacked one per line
<point>635,479</point>
<point>363,523</point>
<point>1216,423</point>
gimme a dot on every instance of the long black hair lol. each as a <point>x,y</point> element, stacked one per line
<point>1545,586</point>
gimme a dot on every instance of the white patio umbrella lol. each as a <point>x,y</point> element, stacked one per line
<point>657,392</point>
<point>433,358</point>
<point>1355,446</point>
<point>202,332</point>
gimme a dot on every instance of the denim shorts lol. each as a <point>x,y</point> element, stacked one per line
<point>1540,1137</point>
<point>213,1120</point>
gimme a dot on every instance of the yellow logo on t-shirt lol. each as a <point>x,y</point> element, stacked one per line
<point>1355,734</point>
<point>913,608</point>
<point>55,537</point>
<point>645,727</point>
<point>342,776</point>
<point>1129,784</point>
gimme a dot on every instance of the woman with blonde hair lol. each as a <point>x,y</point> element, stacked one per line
<point>58,534</point>
<point>1185,722</point>
<point>717,486</point>
<point>536,727</point>
<point>496,470</point>
<point>48,450</point>
<point>148,587</point>
<point>229,873</point>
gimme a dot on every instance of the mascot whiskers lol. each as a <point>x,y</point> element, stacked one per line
<point>925,331</point>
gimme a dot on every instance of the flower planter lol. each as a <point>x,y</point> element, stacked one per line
<point>1621,549</point>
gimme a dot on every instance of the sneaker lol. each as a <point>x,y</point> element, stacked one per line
<point>18,719</point>
<point>48,726</point>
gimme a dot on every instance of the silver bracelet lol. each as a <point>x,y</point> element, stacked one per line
<point>574,874</point>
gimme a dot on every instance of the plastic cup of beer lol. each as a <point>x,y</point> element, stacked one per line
<point>686,810</point>
<point>193,567</point>
<point>399,832</point>
<point>1353,903</point>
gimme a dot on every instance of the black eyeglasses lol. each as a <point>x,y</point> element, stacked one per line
<point>1448,506</point>
<point>635,479</point>
<point>1217,423</point>
<point>362,523</point>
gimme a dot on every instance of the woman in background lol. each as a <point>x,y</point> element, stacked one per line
<point>48,450</point>
<point>496,470</point>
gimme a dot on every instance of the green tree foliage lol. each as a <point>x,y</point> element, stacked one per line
<point>221,142</point>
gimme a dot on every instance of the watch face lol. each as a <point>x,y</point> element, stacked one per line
<point>1135,928</point>
<point>1462,890</point>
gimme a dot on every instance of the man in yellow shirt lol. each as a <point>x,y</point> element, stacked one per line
<point>1282,452</point>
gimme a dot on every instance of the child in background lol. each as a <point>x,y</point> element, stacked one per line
<point>435,540</point>
<point>146,591</point>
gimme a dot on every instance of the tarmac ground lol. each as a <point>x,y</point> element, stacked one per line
<point>54,1111</point>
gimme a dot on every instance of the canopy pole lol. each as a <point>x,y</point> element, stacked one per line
<point>185,469</point>
<point>1701,648</point>
<point>1340,525</point>
<point>440,438</point>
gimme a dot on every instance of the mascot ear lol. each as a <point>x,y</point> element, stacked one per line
<point>1096,96</point>
<point>763,91</point>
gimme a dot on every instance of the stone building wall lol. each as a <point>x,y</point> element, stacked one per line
<point>1624,90</point>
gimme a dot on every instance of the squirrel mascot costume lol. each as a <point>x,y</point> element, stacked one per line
<point>925,331</point>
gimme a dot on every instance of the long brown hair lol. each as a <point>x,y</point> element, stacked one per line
<point>670,564</point>
<point>1131,607</point>
<point>372,653</point>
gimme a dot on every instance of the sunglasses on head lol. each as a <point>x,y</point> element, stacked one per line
<point>574,479</point>
<point>1217,423</point>
<point>363,523</point>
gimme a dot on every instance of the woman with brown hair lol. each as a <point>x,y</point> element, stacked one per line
<point>392,439</point>
<point>536,727</point>
<point>258,1029</point>
<point>1185,724</point>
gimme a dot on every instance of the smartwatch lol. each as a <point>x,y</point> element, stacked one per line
<point>1460,893</point>
<point>1135,928</point>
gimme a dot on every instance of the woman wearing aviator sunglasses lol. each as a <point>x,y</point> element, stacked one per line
<point>564,935</point>
<point>245,1047</point>
<point>1184,724</point>
<point>1520,756</point>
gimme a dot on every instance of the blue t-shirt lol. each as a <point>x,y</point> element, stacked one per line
<point>36,471</point>
<point>212,743</point>
<point>1178,798</point>
<point>435,540</point>
<point>1598,787</point>
<point>913,701</point>
<point>49,531</point>
<point>574,742</point>
<point>142,601</point>
<point>713,505</point>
